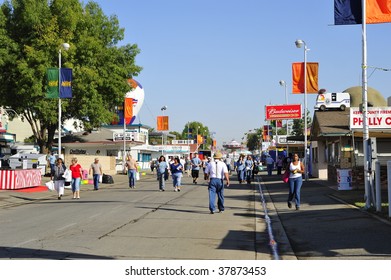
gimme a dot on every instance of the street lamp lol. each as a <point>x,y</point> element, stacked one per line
<point>299,44</point>
<point>283,84</point>
<point>4,112</point>
<point>66,47</point>
<point>164,108</point>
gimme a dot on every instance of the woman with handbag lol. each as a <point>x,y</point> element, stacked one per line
<point>296,170</point>
<point>57,177</point>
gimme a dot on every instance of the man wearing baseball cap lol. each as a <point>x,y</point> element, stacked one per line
<point>217,170</point>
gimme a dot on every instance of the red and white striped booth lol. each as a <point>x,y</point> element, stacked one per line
<point>19,178</point>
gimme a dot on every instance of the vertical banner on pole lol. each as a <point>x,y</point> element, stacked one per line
<point>52,87</point>
<point>128,110</point>
<point>162,123</point>
<point>66,83</point>
<point>298,77</point>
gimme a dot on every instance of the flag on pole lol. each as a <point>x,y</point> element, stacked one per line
<point>128,109</point>
<point>350,11</point>
<point>162,123</point>
<point>276,123</point>
<point>298,74</point>
<point>52,77</point>
<point>199,139</point>
<point>66,83</point>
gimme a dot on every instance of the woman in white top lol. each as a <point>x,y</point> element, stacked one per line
<point>296,169</point>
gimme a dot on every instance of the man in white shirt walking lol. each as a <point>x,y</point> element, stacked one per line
<point>217,170</point>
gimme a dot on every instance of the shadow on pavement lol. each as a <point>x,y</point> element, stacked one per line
<point>26,253</point>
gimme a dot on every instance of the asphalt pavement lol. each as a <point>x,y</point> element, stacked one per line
<point>257,223</point>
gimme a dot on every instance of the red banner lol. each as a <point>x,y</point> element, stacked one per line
<point>283,112</point>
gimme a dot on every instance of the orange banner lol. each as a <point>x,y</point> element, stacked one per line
<point>162,123</point>
<point>199,139</point>
<point>128,109</point>
<point>298,74</point>
<point>378,11</point>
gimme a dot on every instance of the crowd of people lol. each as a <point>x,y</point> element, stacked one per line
<point>215,169</point>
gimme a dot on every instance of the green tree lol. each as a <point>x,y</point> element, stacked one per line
<point>177,134</point>
<point>196,127</point>
<point>298,125</point>
<point>31,33</point>
<point>253,140</point>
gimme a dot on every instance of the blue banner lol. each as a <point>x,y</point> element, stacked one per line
<point>347,12</point>
<point>66,83</point>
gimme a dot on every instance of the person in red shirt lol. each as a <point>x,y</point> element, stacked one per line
<point>76,178</point>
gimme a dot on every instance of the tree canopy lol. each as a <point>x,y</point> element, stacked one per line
<point>31,34</point>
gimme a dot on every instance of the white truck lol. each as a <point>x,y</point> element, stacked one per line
<point>332,100</point>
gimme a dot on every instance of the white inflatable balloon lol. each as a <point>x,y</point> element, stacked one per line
<point>137,93</point>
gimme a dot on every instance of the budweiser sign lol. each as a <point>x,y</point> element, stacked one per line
<point>283,112</point>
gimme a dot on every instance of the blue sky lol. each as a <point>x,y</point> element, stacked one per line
<point>219,62</point>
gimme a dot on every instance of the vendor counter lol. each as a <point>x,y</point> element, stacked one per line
<point>12,179</point>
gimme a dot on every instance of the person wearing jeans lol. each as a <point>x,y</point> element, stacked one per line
<point>296,169</point>
<point>131,165</point>
<point>217,171</point>
<point>76,178</point>
<point>96,170</point>
<point>161,168</point>
<point>240,168</point>
<point>176,172</point>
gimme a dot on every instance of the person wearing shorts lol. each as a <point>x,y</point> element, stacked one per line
<point>196,163</point>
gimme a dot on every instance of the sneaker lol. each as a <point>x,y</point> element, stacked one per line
<point>289,204</point>
<point>297,207</point>
<point>175,190</point>
<point>212,212</point>
<point>59,198</point>
<point>221,211</point>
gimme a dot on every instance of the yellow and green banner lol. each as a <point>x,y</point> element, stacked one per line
<point>52,90</point>
<point>65,90</point>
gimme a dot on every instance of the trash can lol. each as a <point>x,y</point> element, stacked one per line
<point>344,178</point>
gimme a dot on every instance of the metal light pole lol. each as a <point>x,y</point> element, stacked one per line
<point>163,109</point>
<point>299,44</point>
<point>66,47</point>
<point>197,138</point>
<point>283,84</point>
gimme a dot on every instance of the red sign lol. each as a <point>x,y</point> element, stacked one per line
<point>283,112</point>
